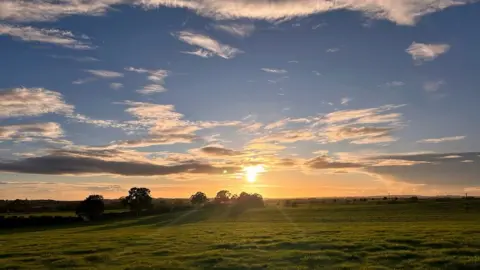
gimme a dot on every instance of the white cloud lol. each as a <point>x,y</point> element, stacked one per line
<point>200,52</point>
<point>208,44</point>
<point>116,86</point>
<point>394,84</point>
<point>18,102</point>
<point>236,29</point>
<point>345,101</point>
<point>426,52</point>
<point>332,50</point>
<point>316,73</point>
<point>444,139</point>
<point>107,74</point>
<point>152,88</point>
<point>404,12</point>
<point>51,36</point>
<point>277,71</point>
<point>76,58</point>
<point>253,127</point>
<point>30,131</point>
<point>433,86</point>
<point>361,115</point>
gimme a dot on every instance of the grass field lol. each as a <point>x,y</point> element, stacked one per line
<point>426,235</point>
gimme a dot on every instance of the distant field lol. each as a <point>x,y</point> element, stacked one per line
<point>426,235</point>
<point>55,213</point>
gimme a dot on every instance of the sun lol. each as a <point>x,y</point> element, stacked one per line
<point>251,172</point>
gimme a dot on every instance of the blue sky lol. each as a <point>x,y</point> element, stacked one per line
<point>329,98</point>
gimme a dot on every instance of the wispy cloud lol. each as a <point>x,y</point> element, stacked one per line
<point>76,58</point>
<point>433,86</point>
<point>200,52</point>
<point>157,76</point>
<point>50,36</point>
<point>332,50</point>
<point>394,84</point>
<point>152,88</point>
<point>236,29</point>
<point>444,139</point>
<point>116,86</point>
<point>19,102</point>
<point>404,12</point>
<point>106,74</point>
<point>207,44</point>
<point>426,52</point>
<point>316,73</point>
<point>277,71</point>
<point>26,132</point>
<point>345,101</point>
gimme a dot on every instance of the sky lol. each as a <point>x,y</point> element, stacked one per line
<point>287,98</point>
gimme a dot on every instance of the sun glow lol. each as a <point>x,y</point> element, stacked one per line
<point>251,172</point>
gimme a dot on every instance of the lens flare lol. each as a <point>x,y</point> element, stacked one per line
<point>251,172</point>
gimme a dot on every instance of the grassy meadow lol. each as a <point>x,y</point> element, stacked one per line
<point>366,235</point>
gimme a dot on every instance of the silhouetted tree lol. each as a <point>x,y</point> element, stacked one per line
<point>385,198</point>
<point>138,199</point>
<point>198,198</point>
<point>91,208</point>
<point>223,196</point>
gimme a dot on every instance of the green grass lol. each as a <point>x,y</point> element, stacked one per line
<point>363,236</point>
<point>55,213</point>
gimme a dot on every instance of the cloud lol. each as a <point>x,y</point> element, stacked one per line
<point>20,102</point>
<point>433,86</point>
<point>370,115</point>
<point>27,132</point>
<point>152,88</point>
<point>208,44</point>
<point>116,86</point>
<point>155,75</point>
<point>427,52</point>
<point>277,71</point>
<point>345,101</point>
<point>84,163</point>
<point>283,122</point>
<point>325,162</point>
<point>219,151</point>
<point>395,84</point>
<point>360,135</point>
<point>316,73</point>
<point>287,136</point>
<point>200,52</point>
<point>252,127</point>
<point>431,169</point>
<point>76,58</point>
<point>236,29</point>
<point>158,76</point>
<point>404,12</point>
<point>56,37</point>
<point>444,139</point>
<point>167,139</point>
<point>46,10</point>
<point>332,50</point>
<point>106,74</point>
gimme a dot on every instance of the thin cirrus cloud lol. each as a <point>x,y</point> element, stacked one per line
<point>332,50</point>
<point>403,12</point>
<point>426,52</point>
<point>56,37</point>
<point>30,131</point>
<point>98,74</point>
<point>444,139</point>
<point>236,29</point>
<point>433,86</point>
<point>276,71</point>
<point>21,102</point>
<point>207,44</point>
<point>157,76</point>
<point>116,86</point>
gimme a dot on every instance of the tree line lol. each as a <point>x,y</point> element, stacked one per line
<point>139,202</point>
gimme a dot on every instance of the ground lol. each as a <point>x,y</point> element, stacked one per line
<point>424,235</point>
